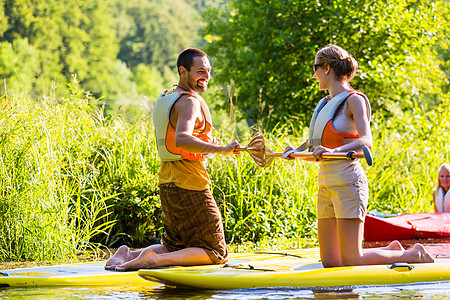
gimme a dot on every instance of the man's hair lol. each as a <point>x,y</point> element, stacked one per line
<point>186,58</point>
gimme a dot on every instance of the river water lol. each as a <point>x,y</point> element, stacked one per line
<point>412,291</point>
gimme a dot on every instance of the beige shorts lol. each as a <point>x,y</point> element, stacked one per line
<point>343,201</point>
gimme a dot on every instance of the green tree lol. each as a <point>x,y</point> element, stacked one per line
<point>67,38</point>
<point>151,82</point>
<point>267,49</point>
<point>157,31</point>
<point>152,33</point>
<point>3,18</point>
<point>20,62</point>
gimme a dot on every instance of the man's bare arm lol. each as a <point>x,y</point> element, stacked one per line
<point>185,112</point>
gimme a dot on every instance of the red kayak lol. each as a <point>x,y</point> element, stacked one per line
<point>407,227</point>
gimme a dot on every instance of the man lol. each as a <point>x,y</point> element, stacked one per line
<point>193,229</point>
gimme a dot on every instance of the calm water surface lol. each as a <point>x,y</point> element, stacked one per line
<point>415,291</point>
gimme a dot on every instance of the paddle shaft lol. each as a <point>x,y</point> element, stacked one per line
<point>342,155</point>
<point>263,156</point>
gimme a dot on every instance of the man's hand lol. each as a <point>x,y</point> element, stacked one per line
<point>230,148</point>
<point>287,149</point>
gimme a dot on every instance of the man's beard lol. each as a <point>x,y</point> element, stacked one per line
<point>195,86</point>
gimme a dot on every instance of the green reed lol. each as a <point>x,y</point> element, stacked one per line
<point>63,166</point>
<point>408,150</point>
<point>266,205</point>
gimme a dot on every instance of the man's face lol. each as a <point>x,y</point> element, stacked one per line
<point>200,74</point>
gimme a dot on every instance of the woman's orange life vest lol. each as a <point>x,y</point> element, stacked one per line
<point>321,129</point>
<point>331,138</point>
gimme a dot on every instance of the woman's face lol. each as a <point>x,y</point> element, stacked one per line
<point>320,74</point>
<point>444,179</point>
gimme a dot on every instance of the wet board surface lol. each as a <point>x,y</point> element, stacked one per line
<point>84,274</point>
<point>305,272</point>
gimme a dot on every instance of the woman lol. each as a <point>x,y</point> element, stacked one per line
<point>441,197</point>
<point>341,123</point>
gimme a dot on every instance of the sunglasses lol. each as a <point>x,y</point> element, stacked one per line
<point>316,66</point>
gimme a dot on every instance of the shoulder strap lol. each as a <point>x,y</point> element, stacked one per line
<point>446,202</point>
<point>205,109</point>
<point>439,200</point>
<point>326,114</point>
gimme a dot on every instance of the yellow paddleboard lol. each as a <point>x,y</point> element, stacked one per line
<point>94,274</point>
<point>83,274</point>
<point>264,270</point>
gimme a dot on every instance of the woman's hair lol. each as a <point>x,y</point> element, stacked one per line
<point>343,64</point>
<point>186,58</point>
<point>443,166</point>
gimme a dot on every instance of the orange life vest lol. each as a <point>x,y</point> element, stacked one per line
<point>165,133</point>
<point>330,137</point>
<point>321,130</point>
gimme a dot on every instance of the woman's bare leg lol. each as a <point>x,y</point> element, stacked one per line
<point>350,233</point>
<point>328,243</point>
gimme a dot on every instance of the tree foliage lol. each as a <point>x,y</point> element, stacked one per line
<point>157,30</point>
<point>64,37</point>
<point>266,49</point>
<point>118,49</point>
<point>152,33</point>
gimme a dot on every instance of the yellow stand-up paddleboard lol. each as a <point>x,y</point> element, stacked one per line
<point>94,274</point>
<point>264,270</point>
<point>83,274</point>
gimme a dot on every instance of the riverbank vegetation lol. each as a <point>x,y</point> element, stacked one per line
<point>73,179</point>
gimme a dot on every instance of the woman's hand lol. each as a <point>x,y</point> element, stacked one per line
<point>317,153</point>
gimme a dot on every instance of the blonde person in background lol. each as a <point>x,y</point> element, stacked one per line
<point>341,123</point>
<point>441,196</point>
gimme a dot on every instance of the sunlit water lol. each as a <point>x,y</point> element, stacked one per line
<point>413,291</point>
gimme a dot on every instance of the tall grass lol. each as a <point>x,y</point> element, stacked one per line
<point>409,148</point>
<point>266,205</point>
<point>62,168</point>
<point>73,179</point>
<point>40,217</point>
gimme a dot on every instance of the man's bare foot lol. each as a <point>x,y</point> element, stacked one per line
<point>423,255</point>
<point>121,256</point>
<point>146,259</point>
<point>395,245</point>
